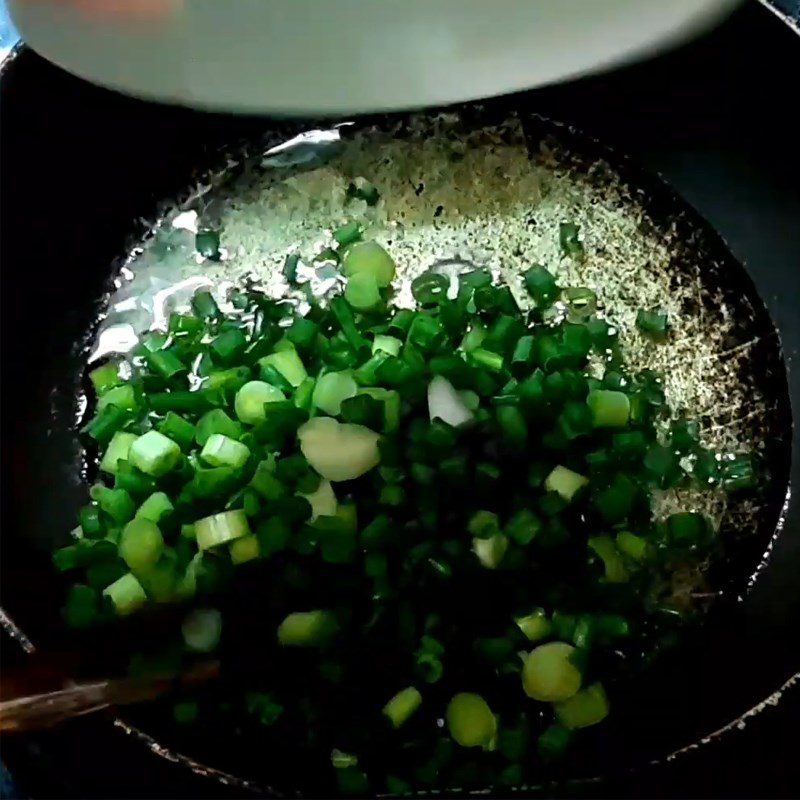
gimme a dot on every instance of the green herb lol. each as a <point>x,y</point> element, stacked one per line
<point>436,513</point>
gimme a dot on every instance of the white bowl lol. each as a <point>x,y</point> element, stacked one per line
<point>341,56</point>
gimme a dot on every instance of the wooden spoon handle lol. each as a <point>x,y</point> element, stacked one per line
<point>45,709</point>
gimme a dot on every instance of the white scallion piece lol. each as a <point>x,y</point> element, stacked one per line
<point>446,404</point>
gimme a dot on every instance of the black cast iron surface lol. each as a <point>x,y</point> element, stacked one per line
<point>715,119</point>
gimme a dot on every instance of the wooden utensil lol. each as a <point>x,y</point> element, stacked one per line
<point>23,707</point>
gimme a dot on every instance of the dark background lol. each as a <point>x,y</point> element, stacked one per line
<point>719,119</point>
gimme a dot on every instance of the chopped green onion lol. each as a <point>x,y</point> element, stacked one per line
<point>141,544</point>
<point>273,536</point>
<point>337,451</point>
<point>151,341</point>
<point>228,346</point>
<point>341,760</point>
<point>481,357</point>
<point>473,338</point>
<point>470,721</point>
<point>262,706</point>
<point>216,421</point>
<point>347,234</point>
<point>553,742</point>
<point>390,370</point>
<point>549,673</point>
<point>484,524</point>
<point>470,281</point>
<point>459,413</point>
<point>662,464</point>
<point>446,404</point>
<point>202,629</point>
<point>265,482</point>
<point>652,323</point>
<point>610,409</point>
<point>426,333</point>
<point>684,435</point>
<point>304,393</point>
<point>156,506</point>
<point>523,356</point>
<point>331,389</point>
<point>363,409</point>
<point>535,626</point>
<point>490,551</point>
<point>363,190</point>
<point>430,288</point>
<point>616,501</point>
<point>251,399</point>
<point>512,425</point>
<point>68,558</point>
<point>564,482</point>
<point>568,239</point>
<point>377,533</point>
<point>290,264</point>
<point>165,363</point>
<point>123,397</point>
<point>220,528</point>
<point>629,444</point>
<point>126,594</point>
<point>737,472</point>
<point>104,573</point>
<point>206,242</point>
<point>322,500</point>
<point>564,625</point>
<point>307,629</point>
<point>117,450</point>
<point>222,451</point>
<point>582,304</point>
<point>185,713</point>
<point>496,650</point>
<point>189,402</point>
<point>541,286</point>
<point>402,706</point>
<point>344,317</point>
<point>351,782</point>
<point>337,537</point>
<point>367,373</point>
<point>81,607</point>
<point>117,503</point>
<point>106,423</point>
<point>187,531</point>
<point>362,292</point>
<point>302,333</point>
<point>185,326</point>
<point>587,707</point>
<point>386,344</point>
<point>154,454</point>
<point>635,547</point>
<point>327,254</point>
<point>369,257</point>
<point>227,380</point>
<point>251,504</point>
<point>604,547</point>
<point>180,430</point>
<point>390,402</point>
<point>105,377</point>
<point>160,581</point>
<point>523,527</point>
<point>90,522</point>
<point>689,529</point>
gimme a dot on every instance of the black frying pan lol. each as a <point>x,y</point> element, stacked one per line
<point>80,165</point>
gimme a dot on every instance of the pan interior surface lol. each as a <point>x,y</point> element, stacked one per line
<point>465,190</point>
